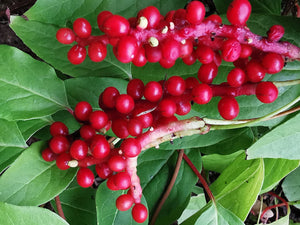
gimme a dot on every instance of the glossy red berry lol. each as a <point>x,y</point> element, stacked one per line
<point>275,33</point>
<point>48,155</point>
<point>228,108</point>
<point>135,127</point>
<point>202,94</point>
<point>58,128</point>
<point>111,185</point>
<point>103,170</point>
<point>99,146</point>
<point>79,149</point>
<point>97,51</point>
<point>98,119</point>
<point>87,132</point>
<point>195,12</point>
<point>140,59</point>
<point>76,54</point>
<point>231,50</point>
<point>170,49</point>
<point>122,180</point>
<point>167,107</point>
<point>205,54</point>
<point>124,202</point>
<point>175,85</point>
<point>139,213</point>
<point>126,49</point>
<point>145,118</point>
<point>183,107</point>
<point>239,12</point>
<point>135,88</point>
<point>65,36</point>
<point>207,72</point>
<point>186,48</point>
<point>119,127</point>
<point>62,161</point>
<point>215,18</point>
<point>191,82</point>
<point>153,54</point>
<point>116,26</point>
<point>102,16</point>
<point>152,15</point>
<point>108,97</point>
<point>166,63</point>
<point>246,51</point>
<point>85,177</point>
<point>131,147</point>
<point>255,71</point>
<point>59,144</point>
<point>266,92</point>
<point>236,77</point>
<point>190,59</point>
<point>82,111</point>
<point>117,163</point>
<point>82,28</point>
<point>124,103</point>
<point>273,63</point>
<point>153,91</point>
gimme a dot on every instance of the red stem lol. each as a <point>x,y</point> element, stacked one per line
<point>202,180</point>
<point>59,207</point>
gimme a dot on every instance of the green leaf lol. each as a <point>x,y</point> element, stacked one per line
<point>291,186</point>
<point>78,205</point>
<point>107,213</point>
<point>214,214</point>
<point>8,155</point>
<point>32,181</point>
<point>281,142</point>
<point>239,184</point>
<point>24,94</point>
<point>275,171</point>
<point>10,135</point>
<point>24,215</point>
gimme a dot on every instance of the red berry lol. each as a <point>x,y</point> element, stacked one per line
<point>108,97</point>
<point>190,59</point>
<point>98,119</point>
<point>79,149</point>
<point>145,118</point>
<point>87,132</point>
<point>102,16</point>
<point>82,28</point>
<point>183,107</point>
<point>116,26</point>
<point>62,161</point>
<point>186,48</point>
<point>175,85</point>
<point>170,49</point>
<point>59,144</point>
<point>139,213</point>
<point>273,63</point>
<point>82,111</point>
<point>167,107</point>
<point>246,51</point>
<point>231,50</point>
<point>85,177</point>
<point>135,127</point>
<point>191,82</point>
<point>131,147</point>
<point>103,170</point>
<point>58,128</point>
<point>65,36</point>
<point>124,103</point>
<point>111,185</point>
<point>122,180</point>
<point>228,108</point>
<point>117,163</point>
<point>255,72</point>
<point>239,12</point>
<point>126,49</point>
<point>140,59</point>
<point>153,91</point>
<point>48,155</point>
<point>135,88</point>
<point>119,127</point>
<point>202,94</point>
<point>166,63</point>
<point>275,33</point>
<point>153,54</point>
<point>215,18</point>
<point>205,54</point>
<point>97,51</point>
<point>179,18</point>
<point>236,77</point>
<point>124,202</point>
<point>195,12</point>
<point>207,72</point>
<point>152,15</point>
<point>76,54</point>
<point>266,92</point>
<point>100,146</point>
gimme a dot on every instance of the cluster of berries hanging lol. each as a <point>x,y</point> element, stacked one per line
<point>151,37</point>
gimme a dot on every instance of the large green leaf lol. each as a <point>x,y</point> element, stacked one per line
<point>275,171</point>
<point>24,215</point>
<point>281,142</point>
<point>10,135</point>
<point>31,180</point>
<point>239,184</point>
<point>107,213</point>
<point>24,94</point>
<point>78,205</point>
<point>8,155</point>
<point>291,186</point>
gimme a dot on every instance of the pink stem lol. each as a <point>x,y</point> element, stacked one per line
<point>136,189</point>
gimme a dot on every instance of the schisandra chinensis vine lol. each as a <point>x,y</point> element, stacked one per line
<point>144,117</point>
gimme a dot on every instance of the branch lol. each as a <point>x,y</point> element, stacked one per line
<point>59,207</point>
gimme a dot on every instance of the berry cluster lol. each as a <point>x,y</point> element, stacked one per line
<point>151,37</point>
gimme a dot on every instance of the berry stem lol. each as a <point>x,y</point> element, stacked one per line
<point>59,207</point>
<point>202,180</point>
<point>136,189</point>
<point>169,188</point>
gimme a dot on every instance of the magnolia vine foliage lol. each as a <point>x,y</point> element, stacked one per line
<point>136,117</point>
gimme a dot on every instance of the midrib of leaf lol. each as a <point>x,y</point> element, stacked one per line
<point>78,208</point>
<point>33,92</point>
<point>120,68</point>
